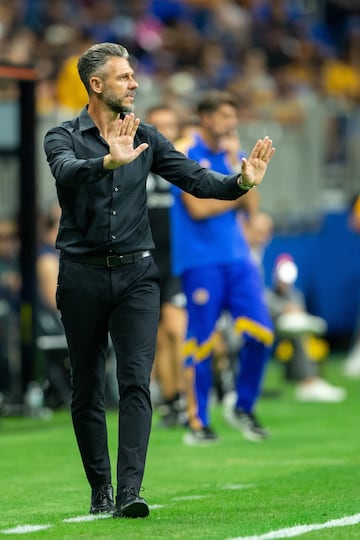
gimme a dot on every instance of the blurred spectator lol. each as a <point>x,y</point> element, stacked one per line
<point>258,229</point>
<point>9,250</point>
<point>338,18</point>
<point>293,327</point>
<point>216,69</point>
<point>10,282</point>
<point>254,85</point>
<point>71,103</point>
<point>172,325</point>
<point>340,80</point>
<point>51,338</point>
<point>341,74</point>
<point>268,96</point>
<point>303,70</point>
<point>287,108</point>
<point>99,21</point>
<point>20,49</point>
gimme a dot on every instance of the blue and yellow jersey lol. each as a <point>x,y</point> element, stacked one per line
<point>213,240</point>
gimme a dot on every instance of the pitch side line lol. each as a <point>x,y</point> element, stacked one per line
<point>298,530</point>
<point>24,529</point>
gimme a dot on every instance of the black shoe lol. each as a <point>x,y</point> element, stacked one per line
<point>172,412</point>
<point>247,423</point>
<point>129,504</point>
<point>102,499</point>
<point>201,437</point>
<point>168,417</point>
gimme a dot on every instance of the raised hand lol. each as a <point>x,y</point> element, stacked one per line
<point>120,138</point>
<point>254,167</point>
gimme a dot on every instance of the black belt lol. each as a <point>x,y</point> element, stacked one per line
<point>109,261</point>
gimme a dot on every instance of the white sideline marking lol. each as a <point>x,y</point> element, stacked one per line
<point>87,517</point>
<point>237,486</point>
<point>23,529</point>
<point>190,497</point>
<point>233,487</point>
<point>287,462</point>
<point>298,530</point>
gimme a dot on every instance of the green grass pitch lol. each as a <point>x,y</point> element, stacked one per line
<point>307,473</point>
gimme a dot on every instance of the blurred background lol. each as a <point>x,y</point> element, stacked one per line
<point>294,66</point>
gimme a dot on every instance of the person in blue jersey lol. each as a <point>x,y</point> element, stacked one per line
<point>218,273</point>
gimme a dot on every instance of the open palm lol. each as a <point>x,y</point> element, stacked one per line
<point>121,141</point>
<point>254,167</point>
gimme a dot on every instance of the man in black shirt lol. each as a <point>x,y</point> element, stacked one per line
<point>108,281</point>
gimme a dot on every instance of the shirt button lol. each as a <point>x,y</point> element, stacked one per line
<point>113,237</point>
<point>113,212</point>
<point>116,189</point>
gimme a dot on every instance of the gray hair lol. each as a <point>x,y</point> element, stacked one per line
<point>94,59</point>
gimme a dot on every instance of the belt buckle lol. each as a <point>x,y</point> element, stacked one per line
<point>109,258</point>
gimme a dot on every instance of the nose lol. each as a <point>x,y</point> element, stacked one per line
<point>133,83</point>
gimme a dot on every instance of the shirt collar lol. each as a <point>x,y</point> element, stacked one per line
<point>85,120</point>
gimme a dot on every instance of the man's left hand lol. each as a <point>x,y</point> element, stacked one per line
<point>254,167</point>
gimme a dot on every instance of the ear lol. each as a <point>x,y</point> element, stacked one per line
<point>96,85</point>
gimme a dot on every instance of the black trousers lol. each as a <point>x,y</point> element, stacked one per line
<point>122,301</point>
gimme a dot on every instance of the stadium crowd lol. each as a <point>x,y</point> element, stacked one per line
<point>270,54</point>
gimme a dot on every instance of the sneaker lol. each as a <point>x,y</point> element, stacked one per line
<point>172,412</point>
<point>247,423</point>
<point>352,362</point>
<point>201,437</point>
<point>102,499</point>
<point>299,323</point>
<point>130,505</point>
<point>319,390</point>
<point>168,417</point>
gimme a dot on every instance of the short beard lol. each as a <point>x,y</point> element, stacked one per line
<point>126,109</point>
<point>116,106</point>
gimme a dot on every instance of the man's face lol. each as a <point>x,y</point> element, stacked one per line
<point>118,86</point>
<point>221,122</point>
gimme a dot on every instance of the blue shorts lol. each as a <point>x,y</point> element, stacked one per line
<point>236,287</point>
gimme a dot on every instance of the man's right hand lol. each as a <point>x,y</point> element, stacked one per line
<point>121,142</point>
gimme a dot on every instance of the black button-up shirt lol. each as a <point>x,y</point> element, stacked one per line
<point>105,211</point>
